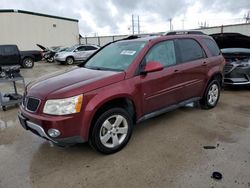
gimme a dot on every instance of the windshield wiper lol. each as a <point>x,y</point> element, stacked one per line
<point>103,68</point>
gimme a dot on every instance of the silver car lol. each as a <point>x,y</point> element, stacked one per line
<point>76,53</point>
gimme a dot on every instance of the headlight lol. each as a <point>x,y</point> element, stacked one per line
<point>63,106</point>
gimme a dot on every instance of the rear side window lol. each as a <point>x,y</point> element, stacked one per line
<point>190,50</point>
<point>212,46</point>
<point>163,53</point>
<point>90,48</point>
<point>9,50</point>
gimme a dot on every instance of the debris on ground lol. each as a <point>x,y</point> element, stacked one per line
<point>209,147</point>
<point>216,175</point>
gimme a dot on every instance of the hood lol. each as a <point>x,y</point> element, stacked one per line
<point>72,82</point>
<point>42,47</point>
<point>231,40</point>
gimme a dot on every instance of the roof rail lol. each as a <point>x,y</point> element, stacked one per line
<point>185,32</point>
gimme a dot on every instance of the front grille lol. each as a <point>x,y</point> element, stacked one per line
<point>31,104</point>
<point>228,68</point>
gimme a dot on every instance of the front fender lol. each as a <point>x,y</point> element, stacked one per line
<point>96,99</point>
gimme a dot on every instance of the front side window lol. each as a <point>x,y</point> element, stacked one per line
<point>190,50</point>
<point>116,56</point>
<point>163,53</point>
<point>81,48</point>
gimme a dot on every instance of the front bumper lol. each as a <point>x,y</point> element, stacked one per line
<point>236,75</point>
<point>60,59</point>
<point>40,131</point>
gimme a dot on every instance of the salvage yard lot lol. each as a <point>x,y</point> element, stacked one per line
<point>166,151</point>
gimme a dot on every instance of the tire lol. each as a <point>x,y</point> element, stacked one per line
<point>28,62</point>
<point>211,96</point>
<point>69,60</point>
<point>112,131</point>
<point>50,60</point>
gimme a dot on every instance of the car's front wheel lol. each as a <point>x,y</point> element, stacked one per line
<point>111,131</point>
<point>69,61</point>
<point>50,60</point>
<point>212,95</point>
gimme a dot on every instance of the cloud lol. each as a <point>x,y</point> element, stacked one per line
<point>114,16</point>
<point>229,5</point>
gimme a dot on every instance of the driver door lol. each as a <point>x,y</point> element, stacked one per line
<point>163,88</point>
<point>79,53</point>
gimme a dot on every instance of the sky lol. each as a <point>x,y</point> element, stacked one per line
<point>114,17</point>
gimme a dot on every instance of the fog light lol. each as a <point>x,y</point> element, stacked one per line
<point>53,133</point>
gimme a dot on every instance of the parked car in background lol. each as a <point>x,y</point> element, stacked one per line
<point>10,55</point>
<point>49,55</point>
<point>76,53</point>
<point>235,48</point>
<point>126,82</point>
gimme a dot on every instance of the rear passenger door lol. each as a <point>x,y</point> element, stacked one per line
<point>193,66</point>
<point>162,88</point>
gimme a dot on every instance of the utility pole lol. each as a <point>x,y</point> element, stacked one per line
<point>183,22</point>
<point>247,17</point>
<point>133,25</point>
<point>170,24</point>
<point>138,25</point>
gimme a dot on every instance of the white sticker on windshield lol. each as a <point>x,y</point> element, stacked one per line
<point>128,52</point>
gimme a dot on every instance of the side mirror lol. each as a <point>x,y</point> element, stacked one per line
<point>152,66</point>
<point>76,50</point>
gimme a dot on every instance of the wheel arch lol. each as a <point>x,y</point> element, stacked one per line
<point>124,102</point>
<point>25,57</point>
<point>218,76</point>
<point>70,56</point>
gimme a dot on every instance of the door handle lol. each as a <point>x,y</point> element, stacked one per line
<point>176,71</point>
<point>204,64</point>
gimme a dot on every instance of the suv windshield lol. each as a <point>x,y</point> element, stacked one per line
<point>116,56</point>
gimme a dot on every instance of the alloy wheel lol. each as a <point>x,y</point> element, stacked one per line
<point>113,131</point>
<point>213,94</point>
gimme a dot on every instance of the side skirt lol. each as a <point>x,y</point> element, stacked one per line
<point>167,109</point>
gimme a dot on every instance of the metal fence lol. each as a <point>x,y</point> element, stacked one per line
<point>102,40</point>
<point>237,28</point>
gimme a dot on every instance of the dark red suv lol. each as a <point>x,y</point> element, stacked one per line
<point>125,82</point>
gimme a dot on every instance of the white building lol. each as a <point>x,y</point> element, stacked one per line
<point>26,29</point>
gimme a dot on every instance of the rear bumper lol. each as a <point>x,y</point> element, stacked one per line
<point>41,132</point>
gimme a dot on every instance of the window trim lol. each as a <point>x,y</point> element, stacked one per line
<point>180,54</point>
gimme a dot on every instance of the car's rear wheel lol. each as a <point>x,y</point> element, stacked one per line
<point>69,60</point>
<point>111,131</point>
<point>212,95</point>
<point>28,62</point>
